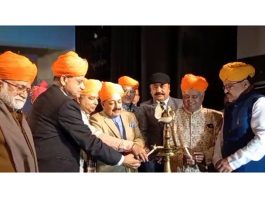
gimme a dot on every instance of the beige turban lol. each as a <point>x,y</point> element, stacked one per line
<point>110,90</point>
<point>190,81</point>
<point>236,71</point>
<point>128,81</point>
<point>16,67</point>
<point>92,86</point>
<point>70,64</point>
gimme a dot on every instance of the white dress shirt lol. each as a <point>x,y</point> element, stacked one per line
<point>255,149</point>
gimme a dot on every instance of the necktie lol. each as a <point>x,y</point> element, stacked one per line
<point>163,105</point>
<point>120,128</point>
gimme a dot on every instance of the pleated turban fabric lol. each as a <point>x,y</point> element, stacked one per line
<point>110,90</point>
<point>190,81</point>
<point>236,71</point>
<point>16,67</point>
<point>70,64</point>
<point>92,86</point>
<point>128,81</point>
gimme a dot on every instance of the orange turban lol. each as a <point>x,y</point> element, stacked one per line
<point>69,64</point>
<point>38,90</point>
<point>92,86</point>
<point>236,71</point>
<point>128,81</point>
<point>110,90</point>
<point>190,81</point>
<point>16,67</point>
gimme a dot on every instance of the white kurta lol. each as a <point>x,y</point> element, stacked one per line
<point>255,149</point>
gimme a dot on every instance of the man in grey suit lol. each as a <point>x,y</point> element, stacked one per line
<point>151,129</point>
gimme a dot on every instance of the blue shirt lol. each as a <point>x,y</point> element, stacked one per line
<point>118,122</point>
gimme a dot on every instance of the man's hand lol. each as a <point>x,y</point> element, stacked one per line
<point>223,166</point>
<point>198,157</point>
<point>188,160</point>
<point>131,162</point>
<point>139,152</point>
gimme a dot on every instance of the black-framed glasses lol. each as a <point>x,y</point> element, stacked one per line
<point>230,85</point>
<point>20,88</point>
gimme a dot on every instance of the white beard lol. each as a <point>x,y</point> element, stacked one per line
<point>15,102</point>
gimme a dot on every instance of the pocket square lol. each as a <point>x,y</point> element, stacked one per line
<point>133,125</point>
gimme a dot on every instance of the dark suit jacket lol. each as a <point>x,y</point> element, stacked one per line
<point>151,129</point>
<point>59,133</point>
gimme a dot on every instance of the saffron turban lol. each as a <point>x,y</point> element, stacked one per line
<point>70,64</point>
<point>38,90</point>
<point>92,86</point>
<point>110,90</point>
<point>128,81</point>
<point>16,67</point>
<point>236,71</point>
<point>190,81</point>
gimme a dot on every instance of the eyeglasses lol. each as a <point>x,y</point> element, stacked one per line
<point>129,91</point>
<point>20,88</point>
<point>230,85</point>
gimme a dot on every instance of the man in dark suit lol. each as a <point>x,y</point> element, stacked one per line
<point>56,123</point>
<point>150,127</point>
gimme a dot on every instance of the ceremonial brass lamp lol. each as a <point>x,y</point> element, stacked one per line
<point>167,150</point>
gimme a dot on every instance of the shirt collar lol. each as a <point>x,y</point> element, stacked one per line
<point>165,101</point>
<point>192,112</point>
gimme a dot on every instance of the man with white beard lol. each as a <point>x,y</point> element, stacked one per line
<point>17,151</point>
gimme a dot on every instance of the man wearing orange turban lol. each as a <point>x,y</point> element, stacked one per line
<point>240,145</point>
<point>56,123</point>
<point>88,103</point>
<point>196,127</point>
<point>129,86</point>
<point>115,122</point>
<point>17,151</point>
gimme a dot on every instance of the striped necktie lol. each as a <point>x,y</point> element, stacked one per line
<point>163,105</point>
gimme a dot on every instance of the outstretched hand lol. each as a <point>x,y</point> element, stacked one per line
<point>131,162</point>
<point>223,166</point>
<point>139,153</point>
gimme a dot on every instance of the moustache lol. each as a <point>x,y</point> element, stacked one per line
<point>19,99</point>
<point>159,93</point>
<point>116,109</point>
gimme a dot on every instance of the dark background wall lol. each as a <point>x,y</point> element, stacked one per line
<point>139,51</point>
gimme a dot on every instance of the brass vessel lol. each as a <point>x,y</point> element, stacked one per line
<point>167,150</point>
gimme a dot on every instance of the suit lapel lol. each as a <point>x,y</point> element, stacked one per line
<point>171,104</point>
<point>113,128</point>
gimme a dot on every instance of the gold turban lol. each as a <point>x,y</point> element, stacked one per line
<point>70,64</point>
<point>236,71</point>
<point>128,81</point>
<point>110,90</point>
<point>92,86</point>
<point>16,67</point>
<point>190,81</point>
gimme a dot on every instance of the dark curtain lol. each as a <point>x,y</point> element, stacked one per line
<point>139,51</point>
